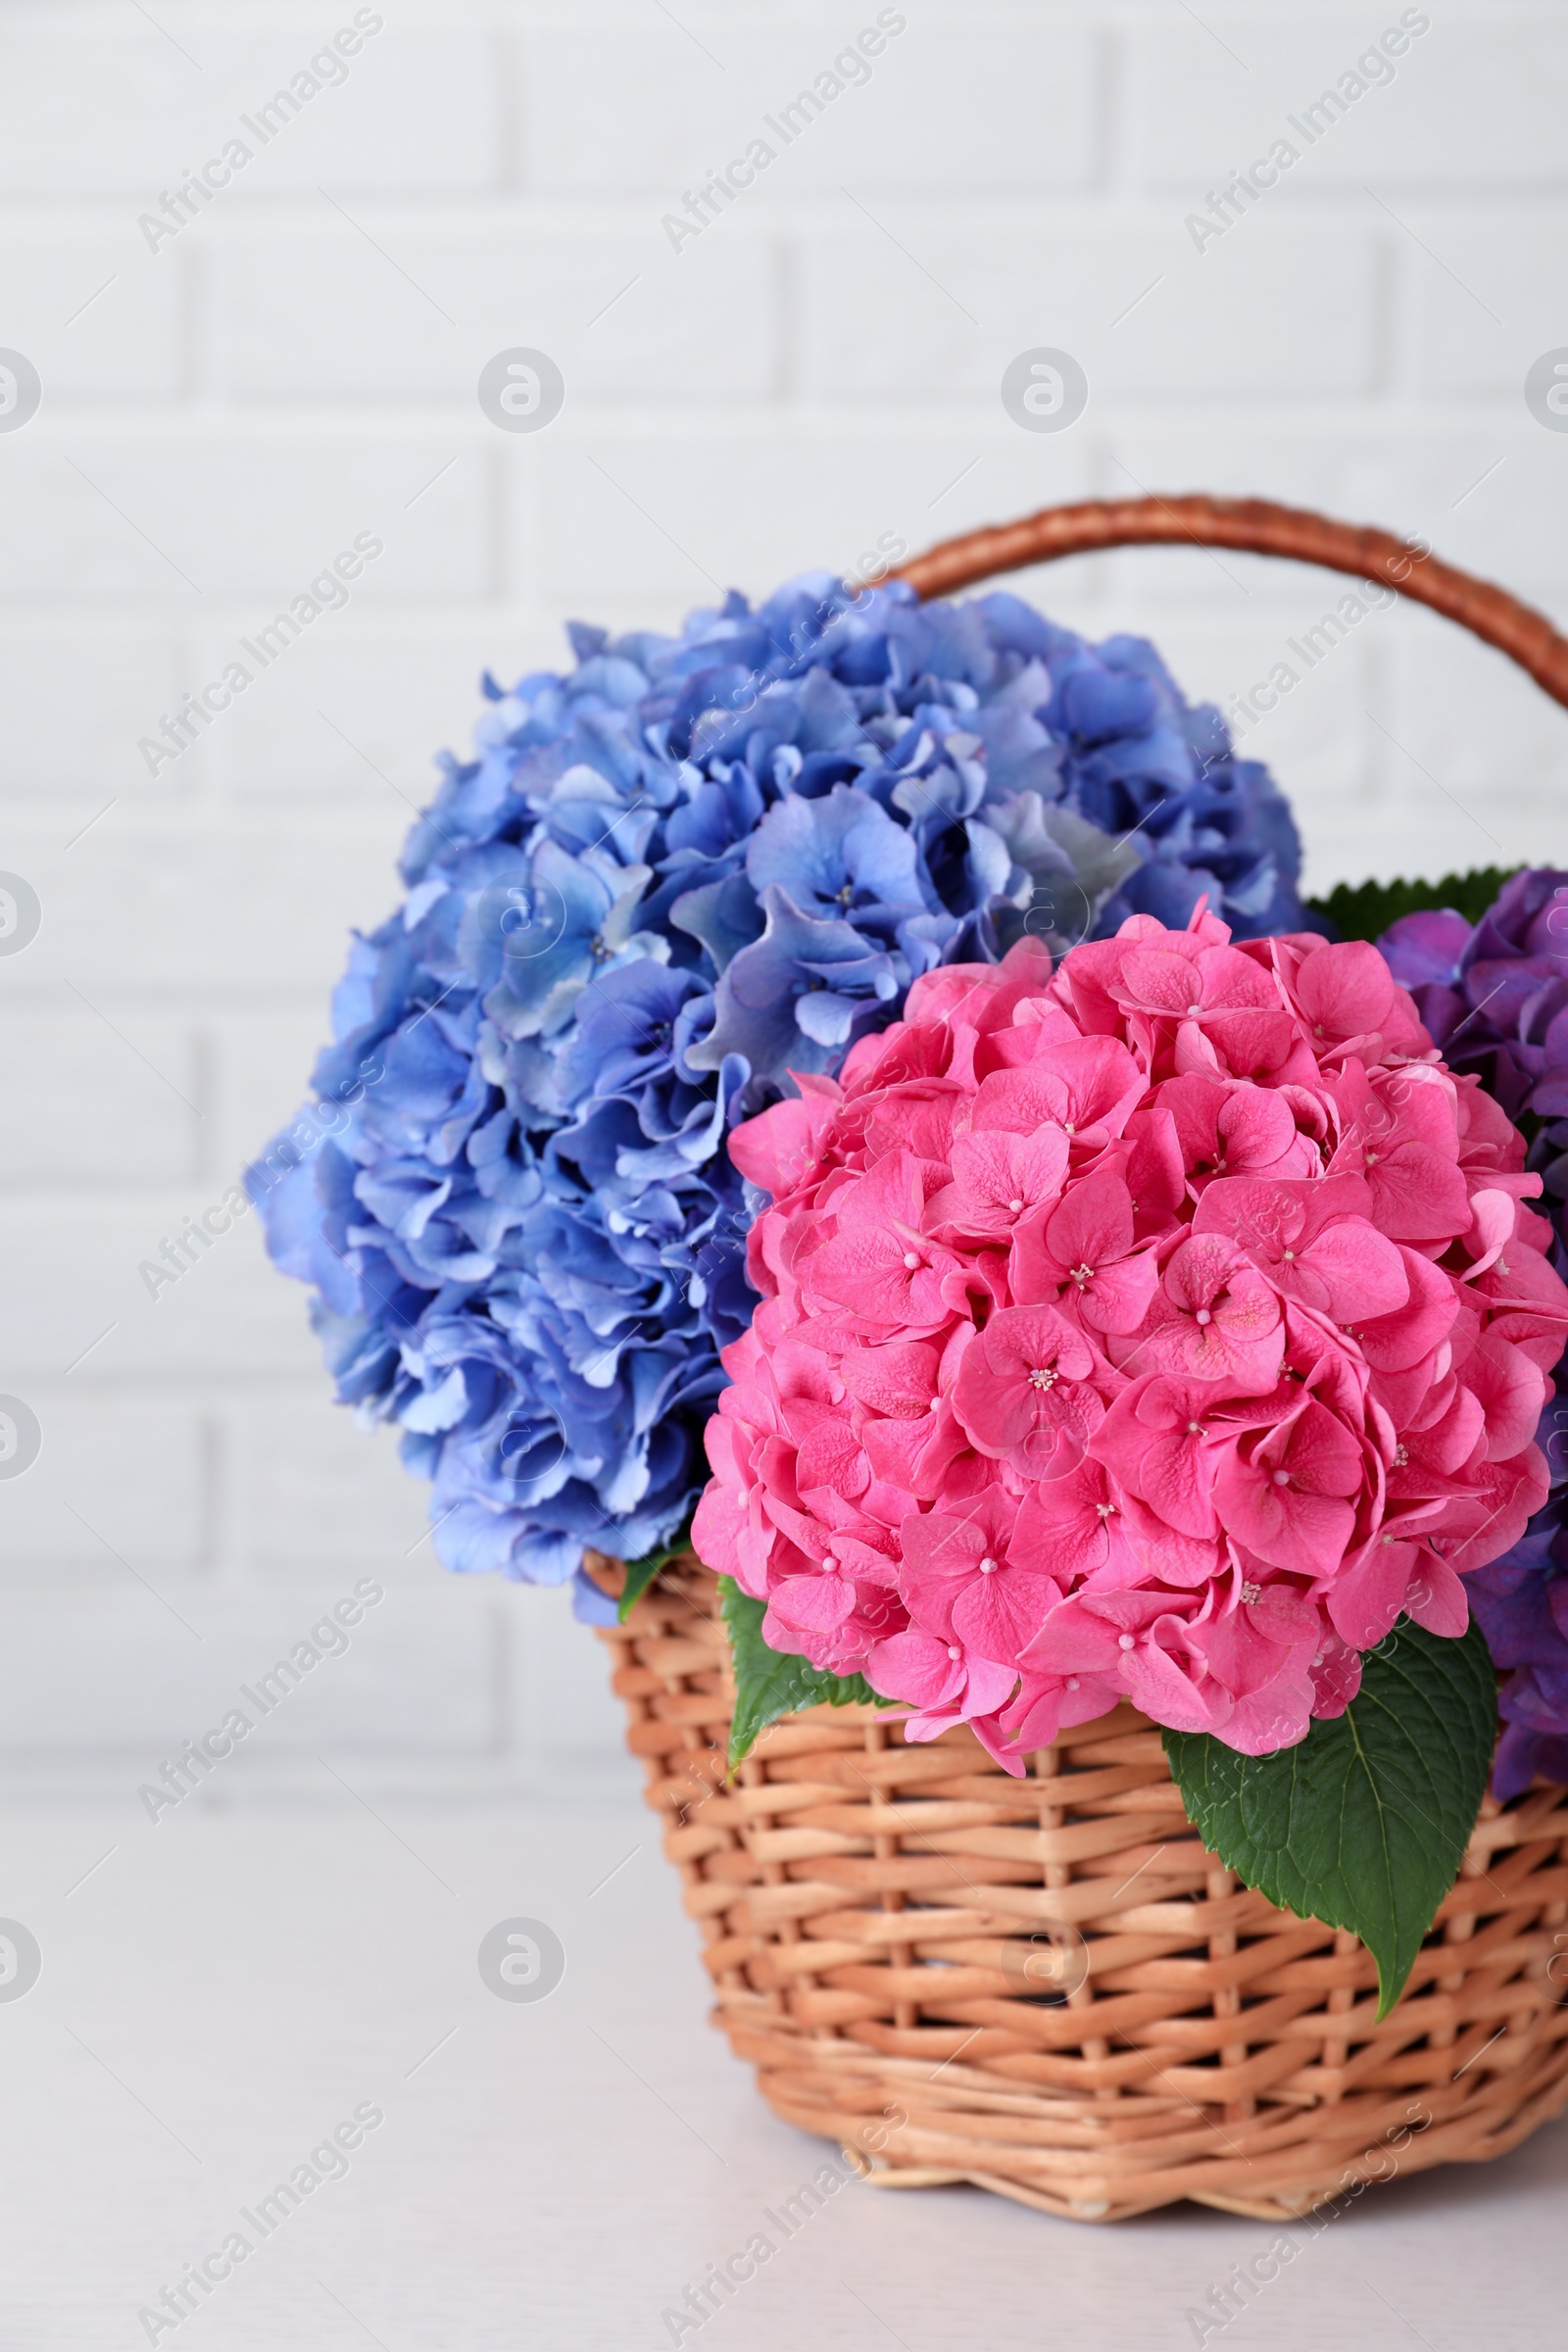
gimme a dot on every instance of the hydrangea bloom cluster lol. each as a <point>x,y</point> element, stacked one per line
<point>1159,1328</point>
<point>1522,1604</point>
<point>1495,996</point>
<point>666,880</point>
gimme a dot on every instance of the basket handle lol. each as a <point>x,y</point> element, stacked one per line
<point>1261,529</point>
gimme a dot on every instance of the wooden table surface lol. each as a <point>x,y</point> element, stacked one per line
<point>224,1990</point>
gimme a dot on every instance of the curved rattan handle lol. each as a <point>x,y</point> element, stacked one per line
<point>1261,529</point>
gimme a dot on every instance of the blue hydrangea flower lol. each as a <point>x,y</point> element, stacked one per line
<point>665,880</point>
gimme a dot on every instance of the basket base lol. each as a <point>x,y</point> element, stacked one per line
<point>1310,2157</point>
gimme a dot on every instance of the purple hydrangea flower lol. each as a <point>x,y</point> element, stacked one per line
<point>1495,996</point>
<point>1522,1604</point>
<point>665,880</point>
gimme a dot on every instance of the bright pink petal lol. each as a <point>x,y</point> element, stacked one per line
<point>778,1147</point>
<point>1157,1441</point>
<point>1023,1388</point>
<point>999,1178</point>
<point>916,1667</point>
<point>1089,1087</point>
<point>898,1378</point>
<point>1213,1318</point>
<point>1062,1526</point>
<point>1286,1496</point>
<point>1344,990</point>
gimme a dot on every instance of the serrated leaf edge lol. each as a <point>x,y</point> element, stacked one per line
<point>1391,1980</point>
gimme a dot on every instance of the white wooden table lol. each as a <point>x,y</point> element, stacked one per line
<point>224,1990</point>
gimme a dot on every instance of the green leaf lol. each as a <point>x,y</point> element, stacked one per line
<point>771,1682</point>
<point>1366,909</point>
<point>640,1574</point>
<point>1365,1823</point>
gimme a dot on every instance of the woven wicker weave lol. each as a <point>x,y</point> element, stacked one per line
<point>869,1909</point>
<point>1045,1986</point>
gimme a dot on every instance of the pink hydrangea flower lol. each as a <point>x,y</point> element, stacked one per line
<point>1159,1328</point>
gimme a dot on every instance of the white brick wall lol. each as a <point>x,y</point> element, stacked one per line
<point>821,365</point>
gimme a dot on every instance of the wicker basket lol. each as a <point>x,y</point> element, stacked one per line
<point>1045,1986</point>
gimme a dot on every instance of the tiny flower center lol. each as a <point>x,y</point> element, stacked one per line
<point>1082,1275</point>
<point>1106,1510</point>
<point>1015,1207</point>
<point>1371,1159</point>
<point>1043,1378</point>
<point>1072,1682</point>
<point>1194,1429</point>
<point>954,1653</point>
<point>1400,1457</point>
<point>910,1260</point>
<point>1193,1011</point>
<point>1125,1641</point>
<point>1282,1478</point>
<point>1250,1593</point>
<point>1068,1127</point>
<point>934,1406</point>
<point>1203,1315</point>
<point>1288,1255</point>
<point>988,1566</point>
